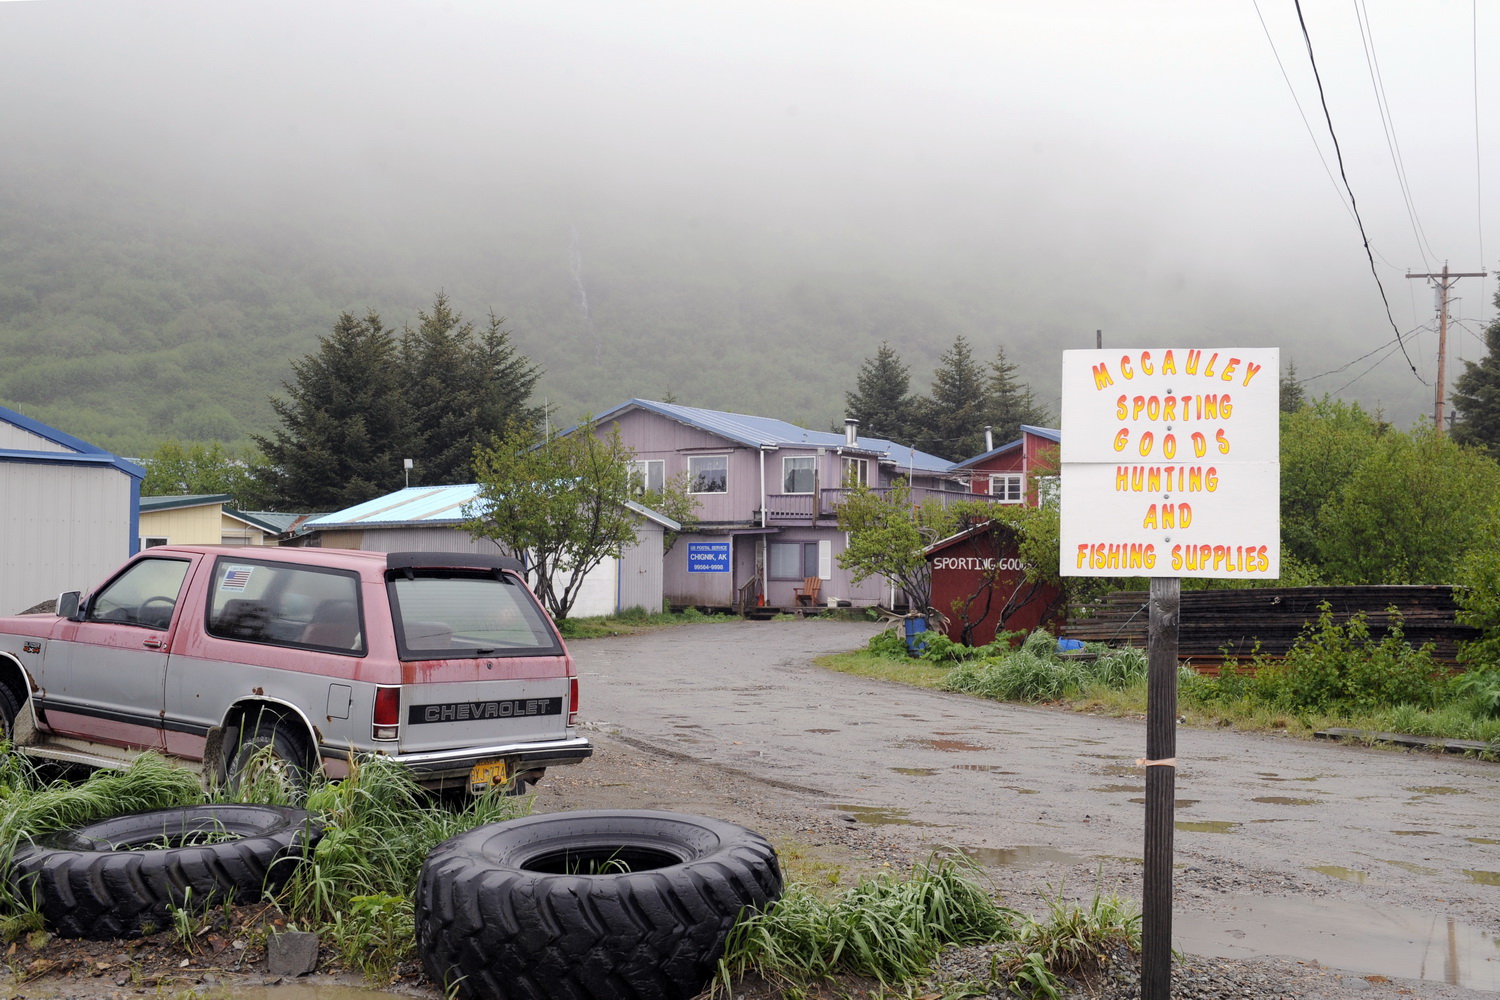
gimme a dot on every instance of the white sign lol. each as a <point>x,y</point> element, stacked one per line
<point>1171,463</point>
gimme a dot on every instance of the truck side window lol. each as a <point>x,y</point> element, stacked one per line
<point>145,594</point>
<point>285,605</point>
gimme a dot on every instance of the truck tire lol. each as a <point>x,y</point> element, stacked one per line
<point>589,905</point>
<point>287,760</point>
<point>122,877</point>
<point>10,708</point>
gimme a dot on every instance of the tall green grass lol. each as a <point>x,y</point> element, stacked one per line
<point>885,927</point>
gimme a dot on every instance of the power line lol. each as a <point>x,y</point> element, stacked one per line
<point>1323,99</point>
<point>1348,364</point>
<point>1478,171</point>
<point>1388,126</point>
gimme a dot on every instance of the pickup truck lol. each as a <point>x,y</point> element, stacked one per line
<point>445,663</point>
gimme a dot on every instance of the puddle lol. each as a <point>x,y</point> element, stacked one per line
<point>1121,770</point>
<point>1426,833</point>
<point>1022,857</point>
<point>1022,791</point>
<point>1103,756</point>
<point>1409,867</point>
<point>875,816</point>
<point>949,746</point>
<point>1347,874</point>
<point>1481,840</point>
<point>1282,800</point>
<point>992,768</point>
<point>302,991</point>
<point>1207,826</point>
<point>1483,878</point>
<point>1387,940</point>
<point>916,772</point>
<point>820,730</point>
<point>1438,790</point>
<point>686,725</point>
<point>1119,788</point>
<point>1176,803</point>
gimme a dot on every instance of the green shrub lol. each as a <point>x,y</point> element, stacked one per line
<point>1333,668</point>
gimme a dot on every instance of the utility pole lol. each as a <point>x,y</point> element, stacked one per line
<point>1445,281</point>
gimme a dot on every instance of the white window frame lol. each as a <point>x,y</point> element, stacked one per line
<point>803,463</point>
<point>693,473</point>
<point>1008,487</point>
<point>861,467</point>
<point>641,473</point>
<point>152,541</point>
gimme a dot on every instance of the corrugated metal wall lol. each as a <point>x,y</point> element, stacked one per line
<point>20,439</point>
<point>66,526</point>
<point>640,570</point>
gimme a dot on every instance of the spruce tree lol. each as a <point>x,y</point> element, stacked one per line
<point>1293,397</point>
<point>1010,403</point>
<point>345,425</point>
<point>1476,396</point>
<point>952,419</point>
<point>881,400</point>
<point>462,388</point>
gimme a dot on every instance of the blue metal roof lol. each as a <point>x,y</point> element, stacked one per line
<point>413,505</point>
<point>80,452</point>
<point>768,432</point>
<point>1049,433</point>
<point>425,505</point>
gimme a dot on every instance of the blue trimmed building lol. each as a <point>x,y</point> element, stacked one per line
<point>70,512</point>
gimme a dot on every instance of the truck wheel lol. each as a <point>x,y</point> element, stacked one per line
<point>588,905</point>
<point>274,750</point>
<point>10,708</point>
<point>122,877</point>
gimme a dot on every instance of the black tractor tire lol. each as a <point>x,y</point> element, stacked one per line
<point>589,905</point>
<point>122,877</point>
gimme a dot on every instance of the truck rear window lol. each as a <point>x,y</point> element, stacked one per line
<point>463,614</point>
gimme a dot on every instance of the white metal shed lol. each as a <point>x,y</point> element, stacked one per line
<point>69,510</point>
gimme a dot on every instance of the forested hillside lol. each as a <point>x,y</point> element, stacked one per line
<point>125,322</point>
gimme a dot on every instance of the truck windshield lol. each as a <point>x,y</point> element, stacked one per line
<point>456,614</point>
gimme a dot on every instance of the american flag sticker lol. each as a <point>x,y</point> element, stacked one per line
<point>235,578</point>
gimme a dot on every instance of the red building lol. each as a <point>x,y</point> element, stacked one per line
<point>1016,472</point>
<point>978,580</point>
<point>979,584</point>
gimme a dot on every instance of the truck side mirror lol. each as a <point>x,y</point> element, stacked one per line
<point>67,604</point>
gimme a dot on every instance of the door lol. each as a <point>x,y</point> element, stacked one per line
<point>103,679</point>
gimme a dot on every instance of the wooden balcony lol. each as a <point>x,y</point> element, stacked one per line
<point>797,508</point>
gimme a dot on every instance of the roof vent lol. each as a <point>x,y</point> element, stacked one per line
<point>851,432</point>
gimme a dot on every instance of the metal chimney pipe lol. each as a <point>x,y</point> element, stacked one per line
<point>851,432</point>
<point>989,438</point>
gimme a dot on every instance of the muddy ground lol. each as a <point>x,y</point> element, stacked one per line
<point>1329,846</point>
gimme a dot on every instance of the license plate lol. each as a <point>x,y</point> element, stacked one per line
<point>488,774</point>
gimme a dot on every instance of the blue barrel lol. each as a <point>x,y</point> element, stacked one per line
<point>915,626</point>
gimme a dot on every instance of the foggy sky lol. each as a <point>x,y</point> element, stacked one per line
<point>1140,167</point>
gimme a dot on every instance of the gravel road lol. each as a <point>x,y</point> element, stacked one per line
<point>1303,868</point>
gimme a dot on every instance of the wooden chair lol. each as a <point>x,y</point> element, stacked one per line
<point>807,594</point>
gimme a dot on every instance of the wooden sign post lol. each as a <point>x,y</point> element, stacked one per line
<point>1170,469</point>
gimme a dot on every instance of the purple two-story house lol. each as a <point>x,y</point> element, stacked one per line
<point>767,492</point>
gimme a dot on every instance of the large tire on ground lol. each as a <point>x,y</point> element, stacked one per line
<point>590,905</point>
<point>121,877</point>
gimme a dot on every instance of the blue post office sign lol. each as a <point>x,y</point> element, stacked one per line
<point>708,557</point>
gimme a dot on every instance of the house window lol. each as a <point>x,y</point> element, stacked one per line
<point>797,474</point>
<point>152,541</point>
<point>793,560</point>
<point>709,473</point>
<point>647,475</point>
<point>1009,487</point>
<point>856,472</point>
